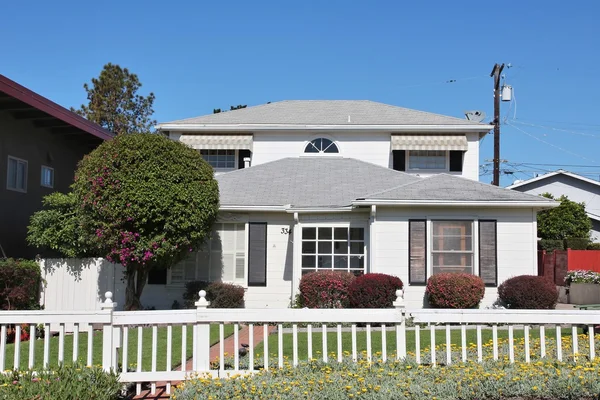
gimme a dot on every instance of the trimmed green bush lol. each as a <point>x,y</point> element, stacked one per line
<point>454,290</point>
<point>19,284</point>
<point>220,295</point>
<point>528,292</point>
<point>550,244</point>
<point>374,291</point>
<point>593,246</point>
<point>577,243</point>
<point>67,382</point>
<point>325,289</point>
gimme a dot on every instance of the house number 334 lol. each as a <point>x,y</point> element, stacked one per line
<point>286,231</point>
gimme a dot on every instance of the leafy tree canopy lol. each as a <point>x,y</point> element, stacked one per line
<point>569,220</point>
<point>114,102</point>
<point>140,200</point>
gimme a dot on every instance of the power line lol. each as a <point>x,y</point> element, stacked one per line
<point>559,165</point>
<point>550,144</point>
<point>448,81</point>
<point>555,129</point>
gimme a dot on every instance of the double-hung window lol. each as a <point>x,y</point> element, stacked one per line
<point>452,246</point>
<point>222,258</point>
<point>427,160</point>
<point>16,178</point>
<point>333,248</point>
<point>47,177</point>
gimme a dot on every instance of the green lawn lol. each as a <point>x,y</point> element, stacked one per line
<point>361,340</point>
<point>131,353</point>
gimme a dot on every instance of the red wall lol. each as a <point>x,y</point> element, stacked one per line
<point>584,259</point>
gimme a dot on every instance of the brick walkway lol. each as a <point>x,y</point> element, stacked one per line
<point>161,390</point>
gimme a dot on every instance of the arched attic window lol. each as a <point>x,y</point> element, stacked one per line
<point>321,145</point>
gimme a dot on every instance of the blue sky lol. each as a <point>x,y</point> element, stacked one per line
<point>200,55</point>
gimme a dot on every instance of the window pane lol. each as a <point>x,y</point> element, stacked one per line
<point>340,247</point>
<point>357,234</point>
<point>309,233</point>
<point>324,247</point>
<point>332,148</point>
<point>340,262</point>
<point>309,247</point>
<point>308,261</point>
<point>427,159</point>
<point>340,233</point>
<point>324,262</point>
<point>324,233</point>
<point>310,148</point>
<point>357,248</point>
<point>12,173</point>
<point>357,262</point>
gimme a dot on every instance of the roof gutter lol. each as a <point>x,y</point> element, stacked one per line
<point>278,127</point>
<point>253,208</point>
<point>286,208</point>
<point>448,203</point>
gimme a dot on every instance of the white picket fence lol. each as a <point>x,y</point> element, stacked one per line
<point>117,328</point>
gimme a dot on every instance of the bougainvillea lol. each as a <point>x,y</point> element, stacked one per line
<point>374,291</point>
<point>454,290</point>
<point>140,200</point>
<point>528,292</point>
<point>325,289</point>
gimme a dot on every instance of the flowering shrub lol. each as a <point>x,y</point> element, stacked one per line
<point>582,276</point>
<point>454,290</point>
<point>528,292</point>
<point>374,291</point>
<point>19,284</point>
<point>67,382</point>
<point>220,295</point>
<point>325,289</point>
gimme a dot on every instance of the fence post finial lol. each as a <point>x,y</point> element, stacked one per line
<point>108,303</point>
<point>399,302</point>
<point>202,303</point>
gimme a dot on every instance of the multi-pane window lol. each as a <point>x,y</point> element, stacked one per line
<point>333,248</point>
<point>47,177</point>
<point>427,159</point>
<point>219,158</point>
<point>222,258</point>
<point>452,246</point>
<point>321,145</point>
<point>16,178</point>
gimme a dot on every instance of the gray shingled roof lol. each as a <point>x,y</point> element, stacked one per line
<point>326,112</point>
<point>306,182</point>
<point>446,187</point>
<point>322,182</point>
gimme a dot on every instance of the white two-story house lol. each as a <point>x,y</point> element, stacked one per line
<point>353,186</point>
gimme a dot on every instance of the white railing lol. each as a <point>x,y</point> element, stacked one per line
<point>165,346</point>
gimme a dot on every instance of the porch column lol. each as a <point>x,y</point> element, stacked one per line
<point>296,260</point>
<point>372,241</point>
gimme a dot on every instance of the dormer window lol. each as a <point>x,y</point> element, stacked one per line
<point>427,160</point>
<point>321,145</point>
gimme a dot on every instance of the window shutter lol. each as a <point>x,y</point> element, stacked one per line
<point>417,243</point>
<point>257,254</point>
<point>456,161</point>
<point>488,268</point>
<point>241,155</point>
<point>399,160</point>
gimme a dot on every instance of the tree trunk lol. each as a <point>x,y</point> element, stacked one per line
<point>136,280</point>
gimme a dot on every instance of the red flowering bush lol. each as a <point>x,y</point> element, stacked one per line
<point>528,292</point>
<point>374,291</point>
<point>19,284</point>
<point>325,289</point>
<point>454,290</point>
<point>11,333</point>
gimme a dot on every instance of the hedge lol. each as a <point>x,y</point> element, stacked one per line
<point>325,289</point>
<point>374,291</point>
<point>454,290</point>
<point>19,284</point>
<point>219,294</point>
<point>528,292</point>
<point>550,244</point>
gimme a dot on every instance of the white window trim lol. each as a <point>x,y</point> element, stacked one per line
<point>333,140</point>
<point>51,186</point>
<point>475,236</point>
<point>8,174</point>
<point>426,171</point>
<point>325,224</point>
<point>244,284</point>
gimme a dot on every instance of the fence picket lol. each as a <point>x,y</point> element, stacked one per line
<point>463,342</point>
<point>558,343</point>
<point>183,347</point>
<point>295,344</point>
<point>383,343</point>
<point>369,353</point>
<point>495,341</point>
<point>418,344</point>
<point>154,356</point>
<point>542,341</point>
<point>169,354</point>
<point>32,346</point>
<point>61,343</point>
<point>124,366</point>
<point>309,342</point>
<point>592,344</point>
<point>339,343</point>
<point>479,345</point>
<point>17,354</point>
<point>236,347</point>
<point>280,344</point>
<point>432,341</point>
<point>75,342</point>
<point>448,345</point>
<point>324,335</point>
<point>266,346</point>
<point>90,344</point>
<point>354,355</point>
<point>222,347</point>
<point>138,387</point>
<point>251,347</point>
<point>511,344</point>
<point>575,342</point>
<point>526,335</point>
<point>2,346</point>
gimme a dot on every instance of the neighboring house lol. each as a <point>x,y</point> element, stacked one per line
<point>575,187</point>
<point>40,145</point>
<point>351,186</point>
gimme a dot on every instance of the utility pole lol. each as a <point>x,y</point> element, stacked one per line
<point>496,73</point>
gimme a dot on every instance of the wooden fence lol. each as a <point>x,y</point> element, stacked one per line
<point>330,335</point>
<point>554,265</point>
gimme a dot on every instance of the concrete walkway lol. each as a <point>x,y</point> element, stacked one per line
<point>244,337</point>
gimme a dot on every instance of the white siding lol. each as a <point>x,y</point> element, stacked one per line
<point>515,246</point>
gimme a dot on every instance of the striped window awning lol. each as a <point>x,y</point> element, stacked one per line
<point>218,142</point>
<point>429,142</point>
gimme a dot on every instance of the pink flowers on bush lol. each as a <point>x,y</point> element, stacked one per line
<point>325,289</point>
<point>454,290</point>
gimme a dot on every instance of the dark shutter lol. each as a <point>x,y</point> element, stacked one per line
<point>488,261</point>
<point>417,257</point>
<point>399,160</point>
<point>157,277</point>
<point>257,254</point>
<point>456,161</point>
<point>241,155</point>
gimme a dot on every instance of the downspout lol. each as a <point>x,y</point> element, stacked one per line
<point>371,249</point>
<point>296,250</point>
